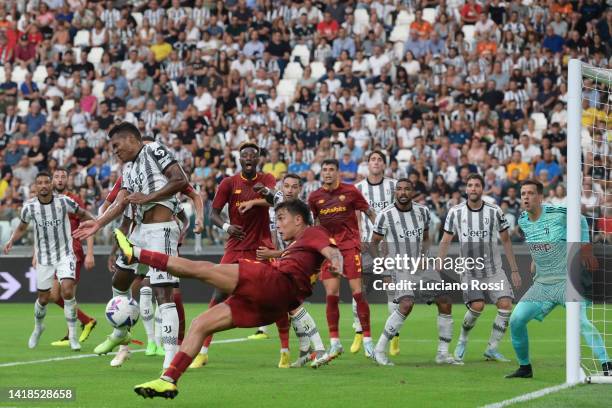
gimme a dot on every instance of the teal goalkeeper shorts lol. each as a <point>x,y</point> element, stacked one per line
<point>547,297</point>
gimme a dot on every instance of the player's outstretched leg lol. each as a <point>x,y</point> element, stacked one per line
<point>358,339</point>
<point>202,358</point>
<point>474,310</point>
<point>500,325</point>
<point>523,313</point>
<point>213,320</point>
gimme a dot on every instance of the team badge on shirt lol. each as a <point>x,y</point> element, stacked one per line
<point>341,197</point>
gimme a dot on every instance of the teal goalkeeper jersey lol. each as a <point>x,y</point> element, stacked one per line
<point>547,241</point>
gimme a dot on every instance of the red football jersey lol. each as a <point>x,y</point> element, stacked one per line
<point>302,259</point>
<point>255,223</point>
<point>77,246</point>
<point>336,212</point>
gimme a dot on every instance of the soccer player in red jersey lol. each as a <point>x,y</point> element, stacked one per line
<point>259,293</point>
<point>336,205</point>
<point>60,181</point>
<point>248,230</point>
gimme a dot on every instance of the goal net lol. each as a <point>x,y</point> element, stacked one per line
<point>589,174</point>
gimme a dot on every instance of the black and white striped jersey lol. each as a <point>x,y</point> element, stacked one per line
<point>379,196</point>
<point>146,174</point>
<point>403,231</point>
<point>52,236</point>
<point>477,231</point>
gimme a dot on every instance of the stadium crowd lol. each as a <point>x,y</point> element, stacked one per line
<point>444,88</point>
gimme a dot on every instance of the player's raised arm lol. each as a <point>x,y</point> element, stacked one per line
<point>15,236</point>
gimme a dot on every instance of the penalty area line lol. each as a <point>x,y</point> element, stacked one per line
<point>79,356</point>
<point>529,396</point>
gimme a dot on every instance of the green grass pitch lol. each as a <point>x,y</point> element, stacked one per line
<point>245,373</point>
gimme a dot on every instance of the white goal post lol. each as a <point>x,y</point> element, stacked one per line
<point>581,369</point>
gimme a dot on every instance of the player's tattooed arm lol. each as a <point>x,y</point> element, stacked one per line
<point>16,236</point>
<point>334,255</point>
<point>371,214</point>
<point>375,246</point>
<point>176,182</point>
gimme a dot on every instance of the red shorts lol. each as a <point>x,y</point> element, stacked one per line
<point>233,256</point>
<point>352,265</point>
<point>262,296</point>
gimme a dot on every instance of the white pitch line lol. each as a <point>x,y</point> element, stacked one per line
<point>79,356</point>
<point>529,396</point>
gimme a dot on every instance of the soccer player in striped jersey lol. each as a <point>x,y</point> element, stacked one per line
<point>151,180</point>
<point>404,230</point>
<point>477,225</point>
<point>55,255</point>
<point>378,191</point>
<point>545,229</point>
<point>303,324</point>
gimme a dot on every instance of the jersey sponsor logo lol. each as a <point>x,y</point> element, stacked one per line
<point>49,223</point>
<point>332,210</point>
<point>409,233</point>
<point>379,205</point>
<point>540,247</point>
<point>472,233</point>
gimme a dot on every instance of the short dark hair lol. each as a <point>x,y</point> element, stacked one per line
<point>43,173</point>
<point>476,176</point>
<point>378,152</point>
<point>64,169</point>
<point>404,180</point>
<point>333,162</point>
<point>293,176</point>
<point>125,127</point>
<point>532,182</point>
<point>296,207</point>
<point>247,145</point>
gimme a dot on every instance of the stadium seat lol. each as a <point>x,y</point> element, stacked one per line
<point>400,33</point>
<point>19,74</point>
<point>541,123</point>
<point>81,39</point>
<point>98,89</point>
<point>95,55</point>
<point>302,52</point>
<point>22,107</point>
<point>404,17</point>
<point>429,15</point>
<point>293,71</point>
<point>318,69</point>
<point>67,106</point>
<point>40,74</point>
<point>138,17</point>
<point>403,157</point>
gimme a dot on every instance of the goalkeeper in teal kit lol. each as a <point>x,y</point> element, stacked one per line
<point>545,229</point>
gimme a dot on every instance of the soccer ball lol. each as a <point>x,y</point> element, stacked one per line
<point>122,312</point>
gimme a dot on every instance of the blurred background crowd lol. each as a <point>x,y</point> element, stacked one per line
<point>444,88</point>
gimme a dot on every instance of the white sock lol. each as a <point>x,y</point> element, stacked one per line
<point>263,329</point>
<point>334,341</point>
<point>284,350</point>
<point>158,329</point>
<point>40,312</point>
<point>392,326</point>
<point>391,307</point>
<point>126,293</point>
<point>300,333</point>
<point>146,312</point>
<point>124,347</point>
<point>469,321</point>
<point>356,322</point>
<point>70,312</point>
<point>445,332</point>
<point>122,331</point>
<point>170,325</point>
<point>499,328</point>
<point>310,329</point>
<point>204,350</point>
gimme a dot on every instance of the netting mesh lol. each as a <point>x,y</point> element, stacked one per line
<point>596,200</point>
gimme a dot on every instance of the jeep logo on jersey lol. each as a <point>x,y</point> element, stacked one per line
<point>138,180</point>
<point>50,223</point>
<point>378,205</point>
<point>406,233</point>
<point>471,233</point>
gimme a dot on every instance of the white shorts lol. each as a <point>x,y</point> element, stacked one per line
<point>494,287</point>
<point>161,237</point>
<point>64,269</point>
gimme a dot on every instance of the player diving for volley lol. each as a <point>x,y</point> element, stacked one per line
<point>60,183</point>
<point>259,293</point>
<point>248,229</point>
<point>545,229</point>
<point>48,213</point>
<point>403,229</point>
<point>477,225</point>
<point>378,191</point>
<point>151,180</point>
<point>335,207</point>
<point>303,324</point>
